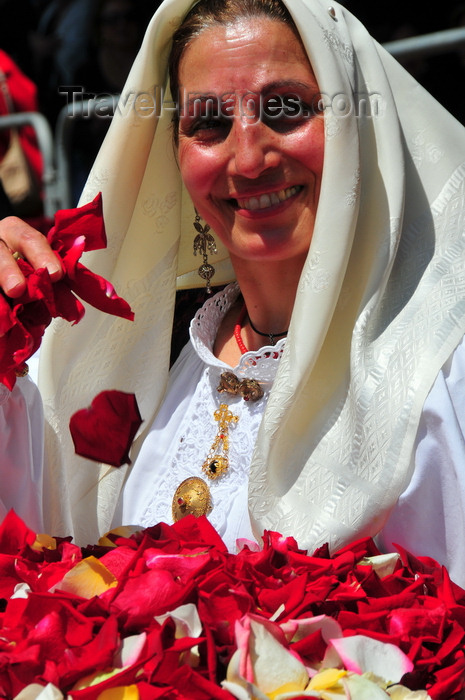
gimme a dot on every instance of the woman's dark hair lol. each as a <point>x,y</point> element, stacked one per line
<point>210,13</point>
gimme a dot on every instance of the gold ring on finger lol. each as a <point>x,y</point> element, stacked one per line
<point>15,254</point>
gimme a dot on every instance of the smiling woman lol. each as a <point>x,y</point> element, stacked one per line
<point>324,190</point>
<point>255,178</point>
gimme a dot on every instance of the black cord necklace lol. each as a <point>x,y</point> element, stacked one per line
<point>271,336</point>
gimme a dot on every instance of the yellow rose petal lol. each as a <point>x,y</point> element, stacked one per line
<point>122,531</point>
<point>127,692</point>
<point>286,688</point>
<point>95,678</point>
<point>44,541</point>
<point>88,578</point>
<point>326,679</point>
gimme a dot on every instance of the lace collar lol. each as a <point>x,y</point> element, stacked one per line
<point>261,364</point>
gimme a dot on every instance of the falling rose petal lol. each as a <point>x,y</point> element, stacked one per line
<point>104,432</point>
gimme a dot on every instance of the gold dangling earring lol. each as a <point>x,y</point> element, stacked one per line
<point>204,242</point>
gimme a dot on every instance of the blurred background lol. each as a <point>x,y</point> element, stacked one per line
<point>441,72</point>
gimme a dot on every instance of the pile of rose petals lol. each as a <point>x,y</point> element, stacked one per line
<point>167,612</point>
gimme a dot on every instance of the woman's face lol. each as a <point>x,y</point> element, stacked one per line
<point>251,143</point>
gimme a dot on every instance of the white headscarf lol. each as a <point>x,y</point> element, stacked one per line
<point>379,309</point>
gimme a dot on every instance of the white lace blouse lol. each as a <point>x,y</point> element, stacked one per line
<point>185,428</point>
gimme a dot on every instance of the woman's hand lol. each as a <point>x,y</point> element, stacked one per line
<point>34,301</point>
<point>16,236</point>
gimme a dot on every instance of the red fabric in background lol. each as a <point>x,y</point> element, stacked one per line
<point>23,93</point>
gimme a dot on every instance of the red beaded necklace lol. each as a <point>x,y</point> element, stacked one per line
<point>237,330</point>
<point>238,327</point>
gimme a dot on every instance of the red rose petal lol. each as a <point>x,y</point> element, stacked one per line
<point>84,221</point>
<point>104,432</point>
<point>99,293</point>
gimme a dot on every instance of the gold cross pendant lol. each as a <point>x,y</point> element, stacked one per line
<point>217,461</point>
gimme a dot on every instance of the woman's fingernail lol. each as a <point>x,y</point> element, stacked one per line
<point>13,285</point>
<point>54,269</point>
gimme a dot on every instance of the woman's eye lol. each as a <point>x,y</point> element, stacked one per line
<point>286,112</point>
<point>210,123</point>
<point>206,126</point>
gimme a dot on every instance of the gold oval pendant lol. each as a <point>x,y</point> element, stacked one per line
<point>192,497</point>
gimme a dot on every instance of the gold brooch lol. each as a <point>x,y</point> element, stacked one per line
<point>249,389</point>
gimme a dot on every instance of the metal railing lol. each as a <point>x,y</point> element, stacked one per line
<point>50,177</point>
<point>427,44</point>
<point>64,132</point>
